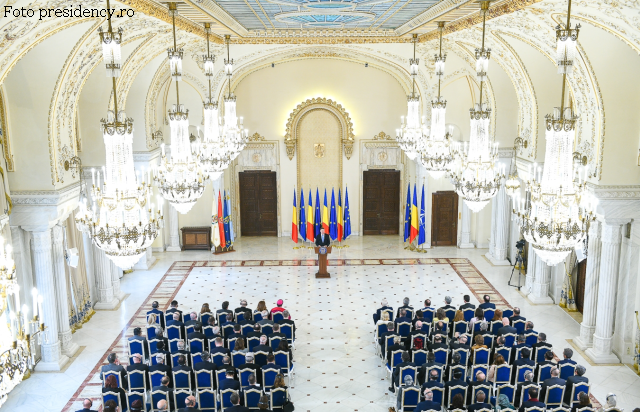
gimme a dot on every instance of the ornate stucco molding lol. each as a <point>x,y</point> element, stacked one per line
<point>382,136</point>
<point>256,137</point>
<point>4,131</point>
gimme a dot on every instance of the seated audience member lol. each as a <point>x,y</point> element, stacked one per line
<point>229,382</point>
<point>263,346</point>
<point>397,345</point>
<point>219,347</point>
<point>383,319</point>
<point>263,404</point>
<point>160,366</point>
<point>519,343</point>
<point>480,403</point>
<point>528,327</point>
<point>480,381</point>
<point>257,332</point>
<point>433,381</point>
<point>155,310</point>
<point>499,360</point>
<point>152,322</point>
<point>205,364</point>
<point>553,380</point>
<point>271,362</point>
<point>182,366</point>
<point>215,329</point>
<point>193,320</point>
<point>137,337</point>
<point>457,402</point>
<point>237,332</point>
<point>382,338</point>
<point>428,403</point>
<point>484,330</point>
<point>506,328</point>
<point>265,319</point>
<point>239,346</point>
<point>583,402</point>
<point>235,401</point>
<point>182,351</point>
<point>478,342</point>
<point>567,353</point>
<point>456,381</point>
<point>247,313</point>
<point>574,380</point>
<point>86,406</point>
<point>197,334</point>
<point>110,406</point>
<point>528,379</point>
<point>226,365</point>
<point>225,310</point>
<point>137,365</point>
<point>431,361</point>
<point>542,342</point>
<point>162,405</point>
<point>439,328</point>
<point>114,365</point>
<point>459,317</point>
<point>497,315</point>
<point>279,383</point>
<point>174,309</point>
<point>205,309</point>
<point>447,304</point>
<point>406,361</point>
<point>253,382</point>
<point>408,383</point>
<point>466,304</point>
<point>417,338</point>
<point>516,316</point>
<point>276,333</point>
<point>441,316</point>
<point>548,359</point>
<point>405,305</point>
<point>250,365</point>
<point>287,321</point>
<point>455,361</point>
<point>486,304</point>
<point>525,360</point>
<point>503,403</point>
<point>533,401</point>
<point>277,308</point>
<point>402,317</point>
<point>427,305</point>
<point>460,343</point>
<point>437,343</point>
<point>176,322</point>
<point>190,405</point>
<point>478,316</point>
<point>284,346</point>
<point>111,385</point>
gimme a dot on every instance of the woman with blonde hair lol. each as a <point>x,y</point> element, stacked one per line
<point>153,327</point>
<point>459,316</point>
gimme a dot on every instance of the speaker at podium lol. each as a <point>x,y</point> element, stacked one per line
<point>322,252</point>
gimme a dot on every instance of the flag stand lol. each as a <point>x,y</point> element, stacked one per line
<point>219,249</point>
<point>412,248</point>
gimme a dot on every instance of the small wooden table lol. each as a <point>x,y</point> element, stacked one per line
<point>196,238</point>
<point>322,253</point>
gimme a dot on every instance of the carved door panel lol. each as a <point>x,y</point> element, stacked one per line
<point>381,202</point>
<point>444,219</point>
<point>582,277</point>
<point>258,203</point>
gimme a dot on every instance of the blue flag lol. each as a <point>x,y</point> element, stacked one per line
<point>318,220</point>
<point>302,222</point>
<point>421,222</point>
<point>407,214</point>
<point>226,218</point>
<point>231,236</point>
<point>333,218</point>
<point>347,218</point>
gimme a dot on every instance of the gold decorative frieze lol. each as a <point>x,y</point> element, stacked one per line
<point>256,137</point>
<point>382,136</point>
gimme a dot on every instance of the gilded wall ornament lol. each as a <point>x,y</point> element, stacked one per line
<point>318,150</point>
<point>383,156</point>
<point>256,158</point>
<point>382,136</point>
<point>256,137</point>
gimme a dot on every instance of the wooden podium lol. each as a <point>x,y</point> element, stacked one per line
<point>322,253</point>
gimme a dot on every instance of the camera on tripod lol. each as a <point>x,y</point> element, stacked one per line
<point>519,263</point>
<point>520,244</point>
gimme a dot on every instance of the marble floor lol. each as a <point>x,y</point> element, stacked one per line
<point>336,365</point>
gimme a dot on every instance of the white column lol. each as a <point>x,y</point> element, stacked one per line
<point>540,288</point>
<point>465,230</point>
<point>146,261</point>
<point>174,231</point>
<point>102,271</point>
<point>68,346</point>
<point>52,357</point>
<point>531,270</point>
<point>607,287</point>
<point>492,236</point>
<point>116,274</point>
<point>90,267</point>
<point>592,277</point>
<point>23,267</point>
<point>500,219</point>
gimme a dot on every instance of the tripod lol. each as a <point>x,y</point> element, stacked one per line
<point>520,260</point>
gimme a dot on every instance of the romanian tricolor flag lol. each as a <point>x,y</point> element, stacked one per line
<point>310,230</point>
<point>294,219</point>
<point>318,216</point>
<point>414,216</point>
<point>325,214</point>
<point>340,217</point>
<point>223,242</point>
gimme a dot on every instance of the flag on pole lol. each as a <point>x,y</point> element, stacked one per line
<point>421,229</point>
<point>325,214</point>
<point>407,214</point>
<point>294,219</point>
<point>310,227</point>
<point>231,237</point>
<point>225,219</point>
<point>340,217</point>
<point>223,242</point>
<point>318,217</point>
<point>215,232</point>
<point>347,218</point>
<point>414,215</point>
<point>302,223</point>
<point>333,218</point>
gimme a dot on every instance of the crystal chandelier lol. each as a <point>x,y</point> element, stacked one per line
<point>512,184</point>
<point>474,172</point>
<point>180,178</point>
<point>560,209</point>
<point>412,133</point>
<point>120,219</point>
<point>436,153</point>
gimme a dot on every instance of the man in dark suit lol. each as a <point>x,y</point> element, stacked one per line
<point>439,329</point>
<point>263,346</point>
<point>182,366</point>
<point>480,403</point>
<point>506,328</point>
<point>176,322</point>
<point>236,334</point>
<point>137,365</point>
<point>516,316</point>
<point>229,382</point>
<point>533,401</point>
<point>524,361</point>
<point>460,343</point>
<point>246,312</point>
<point>384,305</point>
<point>174,309</point>
<point>402,317</point>
<point>156,311</point>
<point>480,382</point>
<point>567,353</point>
<point>397,345</point>
<point>487,303</point>
<point>553,380</point>
<point>528,379</point>
<point>528,327</point>
<point>405,305</point>
<point>455,361</point>
<point>225,310</point>
<point>467,304</point>
<point>235,401</point>
<point>256,332</point>
<point>287,321</point>
<point>542,343</point>
<point>447,305</point>
<point>193,320</point>
<point>219,347</point>
<point>431,362</point>
<point>576,379</point>
<point>249,364</point>
<point>226,365</point>
<point>519,344</point>
<point>406,361</point>
<point>137,337</point>
<point>190,403</point>
<point>206,365</point>
<point>276,333</point>
<point>86,406</point>
<point>384,335</point>
<point>418,316</point>
<point>433,381</point>
<point>197,334</point>
<point>456,381</point>
<point>114,365</point>
<point>428,403</point>
<point>164,387</point>
<point>437,343</point>
<point>322,239</point>
<point>161,366</point>
<point>182,351</point>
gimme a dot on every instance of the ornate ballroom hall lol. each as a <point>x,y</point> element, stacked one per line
<point>193,151</point>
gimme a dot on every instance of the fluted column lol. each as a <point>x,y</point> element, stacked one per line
<point>531,269</point>
<point>607,286</point>
<point>592,277</point>
<point>52,357</point>
<point>174,231</point>
<point>541,280</point>
<point>500,219</point>
<point>67,345</point>
<point>145,261</point>
<point>102,273</point>
<point>116,274</point>
<point>465,229</point>
<point>23,267</point>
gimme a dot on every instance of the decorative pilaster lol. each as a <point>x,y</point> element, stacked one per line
<point>542,277</point>
<point>68,346</point>
<point>23,265</point>
<point>102,272</point>
<point>607,286</point>
<point>500,219</point>
<point>592,277</point>
<point>116,274</point>
<point>52,357</point>
<point>465,229</point>
<point>531,270</point>
<point>174,231</point>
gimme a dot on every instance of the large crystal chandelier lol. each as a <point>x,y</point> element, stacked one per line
<point>560,209</point>
<point>436,153</point>
<point>180,178</point>
<point>119,216</point>
<point>474,172</point>
<point>413,130</point>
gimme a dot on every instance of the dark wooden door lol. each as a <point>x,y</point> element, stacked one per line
<point>582,277</point>
<point>381,202</point>
<point>258,203</point>
<point>444,219</point>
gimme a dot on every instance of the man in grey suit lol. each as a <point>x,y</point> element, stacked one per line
<point>114,365</point>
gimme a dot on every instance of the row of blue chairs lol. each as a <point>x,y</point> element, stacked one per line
<point>221,317</point>
<point>175,332</point>
<point>428,314</point>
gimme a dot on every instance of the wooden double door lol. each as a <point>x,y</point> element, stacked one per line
<point>258,203</point>
<point>444,219</point>
<point>381,202</point>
